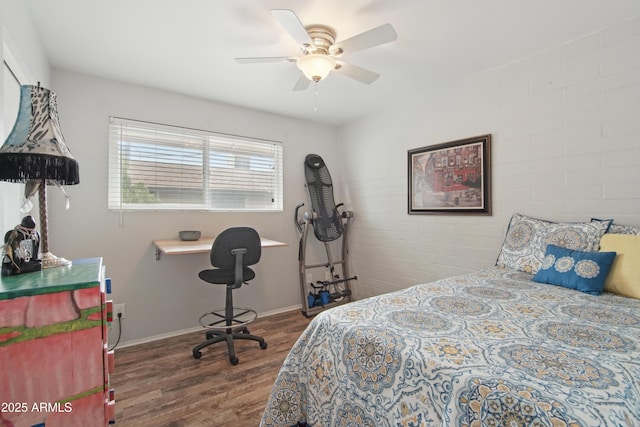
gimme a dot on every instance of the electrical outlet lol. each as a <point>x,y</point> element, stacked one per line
<point>118,309</point>
<point>309,278</point>
<point>327,276</point>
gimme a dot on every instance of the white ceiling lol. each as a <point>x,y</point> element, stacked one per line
<point>188,46</point>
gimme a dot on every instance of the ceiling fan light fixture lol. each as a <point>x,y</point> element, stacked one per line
<point>316,66</point>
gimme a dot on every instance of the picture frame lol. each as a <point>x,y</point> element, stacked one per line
<point>451,178</point>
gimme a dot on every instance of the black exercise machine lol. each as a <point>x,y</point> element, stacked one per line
<point>328,225</point>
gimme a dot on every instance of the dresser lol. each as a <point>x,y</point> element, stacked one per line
<point>54,359</point>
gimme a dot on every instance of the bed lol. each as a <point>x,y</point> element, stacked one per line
<point>489,348</point>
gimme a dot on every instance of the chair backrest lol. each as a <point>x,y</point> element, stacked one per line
<point>234,238</point>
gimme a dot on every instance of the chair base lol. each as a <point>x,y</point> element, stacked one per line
<point>239,333</point>
<point>229,329</point>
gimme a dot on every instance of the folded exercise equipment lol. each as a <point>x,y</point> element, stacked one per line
<point>329,225</point>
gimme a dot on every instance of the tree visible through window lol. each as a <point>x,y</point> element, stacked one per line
<point>159,167</point>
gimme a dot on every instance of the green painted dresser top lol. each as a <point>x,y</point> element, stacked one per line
<point>83,273</point>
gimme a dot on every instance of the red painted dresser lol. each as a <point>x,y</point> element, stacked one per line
<point>54,359</point>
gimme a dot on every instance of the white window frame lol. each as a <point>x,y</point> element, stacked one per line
<point>221,186</point>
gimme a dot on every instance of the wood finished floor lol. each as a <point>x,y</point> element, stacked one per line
<point>160,384</point>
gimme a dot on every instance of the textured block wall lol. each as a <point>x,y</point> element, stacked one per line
<point>566,146</point>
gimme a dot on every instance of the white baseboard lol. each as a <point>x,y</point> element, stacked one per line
<point>197,328</point>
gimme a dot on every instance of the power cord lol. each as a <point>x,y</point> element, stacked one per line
<point>119,331</point>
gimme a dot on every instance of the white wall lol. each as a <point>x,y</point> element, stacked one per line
<point>167,295</point>
<point>566,146</point>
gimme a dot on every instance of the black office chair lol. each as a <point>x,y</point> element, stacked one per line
<point>232,252</point>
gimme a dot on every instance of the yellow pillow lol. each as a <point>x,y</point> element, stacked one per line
<point>624,276</point>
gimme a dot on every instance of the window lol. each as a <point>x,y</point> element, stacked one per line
<point>160,167</point>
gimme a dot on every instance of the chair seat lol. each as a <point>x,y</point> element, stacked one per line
<point>223,276</point>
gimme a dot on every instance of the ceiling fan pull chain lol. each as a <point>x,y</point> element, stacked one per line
<point>315,96</point>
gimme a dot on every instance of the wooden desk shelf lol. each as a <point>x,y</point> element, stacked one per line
<point>203,245</point>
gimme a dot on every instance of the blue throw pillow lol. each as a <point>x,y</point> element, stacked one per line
<point>582,271</point>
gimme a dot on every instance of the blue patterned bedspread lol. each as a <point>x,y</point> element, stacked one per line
<point>491,348</point>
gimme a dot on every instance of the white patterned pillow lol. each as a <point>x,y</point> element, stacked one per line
<point>624,229</point>
<point>619,229</point>
<point>527,238</point>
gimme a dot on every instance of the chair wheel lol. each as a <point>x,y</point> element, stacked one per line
<point>263,345</point>
<point>234,360</point>
<point>197,354</point>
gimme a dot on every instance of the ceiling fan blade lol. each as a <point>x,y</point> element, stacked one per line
<point>302,83</point>
<point>264,59</point>
<point>374,37</point>
<point>357,73</point>
<point>290,22</point>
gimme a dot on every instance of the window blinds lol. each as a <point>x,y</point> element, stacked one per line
<point>159,167</point>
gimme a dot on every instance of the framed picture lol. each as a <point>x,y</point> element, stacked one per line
<point>451,178</point>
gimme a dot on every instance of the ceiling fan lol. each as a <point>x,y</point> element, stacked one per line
<point>321,53</point>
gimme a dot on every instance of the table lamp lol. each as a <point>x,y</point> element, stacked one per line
<point>35,153</point>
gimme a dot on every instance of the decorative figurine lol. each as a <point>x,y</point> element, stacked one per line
<point>21,246</point>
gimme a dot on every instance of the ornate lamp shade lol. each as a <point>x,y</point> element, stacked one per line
<point>36,153</point>
<point>35,148</point>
